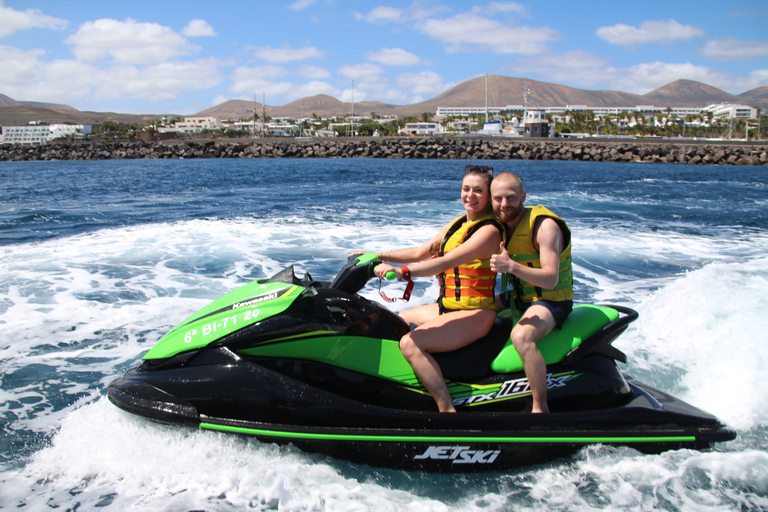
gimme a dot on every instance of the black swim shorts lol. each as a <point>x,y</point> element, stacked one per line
<point>560,309</point>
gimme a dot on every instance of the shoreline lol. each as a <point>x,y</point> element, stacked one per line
<point>686,151</point>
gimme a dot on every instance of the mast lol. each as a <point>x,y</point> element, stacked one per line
<point>263,112</point>
<point>486,98</point>
<point>352,118</point>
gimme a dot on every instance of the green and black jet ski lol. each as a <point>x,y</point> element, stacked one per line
<point>315,364</point>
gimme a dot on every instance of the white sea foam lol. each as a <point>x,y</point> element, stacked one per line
<point>711,325</point>
<point>104,457</point>
<point>107,456</point>
<point>94,303</point>
<point>607,478</point>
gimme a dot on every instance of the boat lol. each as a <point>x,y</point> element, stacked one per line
<point>316,364</point>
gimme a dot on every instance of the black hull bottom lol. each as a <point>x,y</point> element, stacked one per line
<point>444,452</point>
<point>453,443</point>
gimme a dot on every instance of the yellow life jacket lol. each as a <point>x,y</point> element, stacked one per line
<point>470,285</point>
<point>520,248</point>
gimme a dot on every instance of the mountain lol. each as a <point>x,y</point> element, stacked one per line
<point>14,112</point>
<point>234,109</point>
<point>322,105</point>
<point>687,93</point>
<point>502,91</point>
<point>756,97</point>
<point>6,101</point>
<point>24,114</point>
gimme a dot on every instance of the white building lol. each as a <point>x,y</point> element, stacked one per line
<point>469,111</point>
<point>278,129</point>
<point>251,126</point>
<point>40,134</point>
<point>422,129</point>
<point>648,111</point>
<point>192,125</point>
<point>730,111</point>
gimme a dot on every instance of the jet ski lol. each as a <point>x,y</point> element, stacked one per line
<point>315,364</point>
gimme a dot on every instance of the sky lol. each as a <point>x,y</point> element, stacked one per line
<point>182,57</point>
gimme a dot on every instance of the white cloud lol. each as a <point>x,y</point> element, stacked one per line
<point>312,72</point>
<point>26,77</point>
<point>298,5</point>
<point>382,14</point>
<point>361,72</point>
<point>245,74</point>
<point>500,7</point>
<point>426,83</point>
<point>162,81</point>
<point>468,31</point>
<point>198,28</point>
<point>259,80</point>
<point>369,82</point>
<point>20,68</point>
<point>393,57</point>
<point>667,31</point>
<point>582,69</point>
<point>416,11</point>
<point>286,54</point>
<point>574,66</point>
<point>645,77</point>
<point>734,49</point>
<point>127,42</point>
<point>310,89</point>
<point>218,100</point>
<point>12,21</point>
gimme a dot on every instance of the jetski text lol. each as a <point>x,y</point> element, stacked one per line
<point>459,455</point>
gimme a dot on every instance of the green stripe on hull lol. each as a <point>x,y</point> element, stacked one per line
<point>447,439</point>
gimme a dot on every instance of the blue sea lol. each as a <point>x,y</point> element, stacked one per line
<point>99,259</point>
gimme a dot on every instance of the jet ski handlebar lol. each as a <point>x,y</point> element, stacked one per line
<point>357,271</point>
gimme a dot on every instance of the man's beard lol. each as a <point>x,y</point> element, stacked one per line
<point>506,218</point>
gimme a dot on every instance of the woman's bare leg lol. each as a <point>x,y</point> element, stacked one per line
<point>443,333</point>
<point>420,314</point>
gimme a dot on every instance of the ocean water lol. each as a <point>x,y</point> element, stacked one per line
<point>99,259</point>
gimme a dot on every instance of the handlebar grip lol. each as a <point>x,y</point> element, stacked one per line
<point>390,275</point>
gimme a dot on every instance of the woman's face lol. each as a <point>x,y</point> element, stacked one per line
<point>475,195</point>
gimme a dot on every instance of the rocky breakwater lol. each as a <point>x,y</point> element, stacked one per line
<point>594,150</point>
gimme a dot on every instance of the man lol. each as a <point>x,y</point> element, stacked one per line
<point>536,256</point>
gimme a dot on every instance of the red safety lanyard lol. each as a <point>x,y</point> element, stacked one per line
<point>408,287</point>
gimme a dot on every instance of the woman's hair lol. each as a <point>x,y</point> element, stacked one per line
<point>484,172</point>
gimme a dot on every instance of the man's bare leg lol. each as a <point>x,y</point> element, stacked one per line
<point>536,323</point>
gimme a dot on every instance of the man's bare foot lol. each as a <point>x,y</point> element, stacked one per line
<point>530,409</point>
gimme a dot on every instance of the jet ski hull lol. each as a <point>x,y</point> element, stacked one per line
<point>284,410</point>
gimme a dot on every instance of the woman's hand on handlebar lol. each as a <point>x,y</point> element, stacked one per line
<point>382,269</point>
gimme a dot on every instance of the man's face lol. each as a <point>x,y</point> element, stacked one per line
<point>507,198</point>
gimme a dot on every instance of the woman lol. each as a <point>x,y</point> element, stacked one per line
<point>465,310</point>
